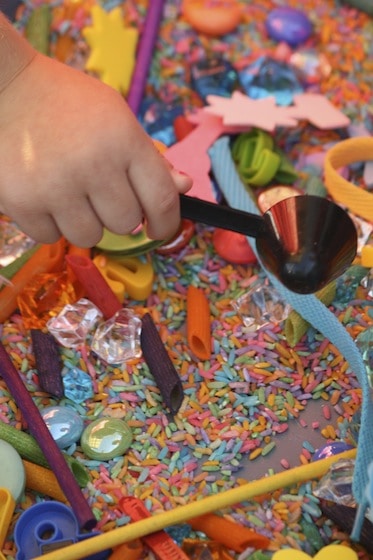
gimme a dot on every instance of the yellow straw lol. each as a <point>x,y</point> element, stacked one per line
<point>181,514</point>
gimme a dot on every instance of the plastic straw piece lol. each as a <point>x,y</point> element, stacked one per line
<point>7,506</point>
<point>96,288</point>
<point>160,542</point>
<point>40,431</point>
<point>42,480</point>
<point>10,269</point>
<point>181,514</point>
<point>198,323</point>
<point>29,449</point>
<point>48,258</point>
<point>296,326</point>
<point>228,533</point>
<point>145,54</point>
<point>127,551</point>
<point>160,365</point>
<point>48,362</point>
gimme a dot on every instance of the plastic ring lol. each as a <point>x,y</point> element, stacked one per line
<point>344,153</point>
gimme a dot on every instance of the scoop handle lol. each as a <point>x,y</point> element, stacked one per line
<point>223,217</point>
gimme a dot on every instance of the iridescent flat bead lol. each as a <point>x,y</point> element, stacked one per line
<point>106,438</point>
<point>64,424</point>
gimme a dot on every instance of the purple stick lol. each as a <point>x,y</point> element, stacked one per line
<point>41,433</point>
<point>144,54</point>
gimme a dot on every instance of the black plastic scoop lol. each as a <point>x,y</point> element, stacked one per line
<point>305,241</point>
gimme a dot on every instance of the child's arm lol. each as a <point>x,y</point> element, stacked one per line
<point>73,156</point>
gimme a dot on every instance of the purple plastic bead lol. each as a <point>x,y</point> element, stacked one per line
<point>289,25</point>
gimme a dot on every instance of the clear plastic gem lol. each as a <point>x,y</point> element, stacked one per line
<point>336,485</point>
<point>118,339</point>
<point>260,306</point>
<point>72,325</point>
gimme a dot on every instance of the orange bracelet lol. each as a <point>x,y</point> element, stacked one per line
<point>352,150</point>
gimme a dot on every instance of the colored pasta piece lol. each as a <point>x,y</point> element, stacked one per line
<point>198,323</point>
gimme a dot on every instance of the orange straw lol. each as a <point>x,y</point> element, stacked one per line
<point>198,323</point>
<point>228,533</point>
<point>44,481</point>
<point>48,258</point>
<point>130,551</point>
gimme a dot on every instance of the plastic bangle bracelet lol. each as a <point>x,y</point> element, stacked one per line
<point>344,153</point>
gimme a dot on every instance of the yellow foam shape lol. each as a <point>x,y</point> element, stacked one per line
<point>113,48</point>
<point>367,256</point>
<point>126,275</point>
<point>7,505</point>
<point>330,552</point>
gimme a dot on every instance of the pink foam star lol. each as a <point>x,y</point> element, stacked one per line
<point>241,110</point>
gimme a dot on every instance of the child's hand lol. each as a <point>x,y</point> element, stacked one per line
<point>74,159</point>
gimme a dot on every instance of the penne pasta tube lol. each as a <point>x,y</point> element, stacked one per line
<point>95,286</point>
<point>198,323</point>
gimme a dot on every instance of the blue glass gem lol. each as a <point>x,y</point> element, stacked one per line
<point>77,384</point>
<point>333,448</point>
<point>213,76</point>
<point>64,423</point>
<point>157,119</point>
<point>289,25</point>
<point>179,533</point>
<point>267,77</point>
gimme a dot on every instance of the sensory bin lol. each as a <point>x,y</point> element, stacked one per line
<point>264,400</point>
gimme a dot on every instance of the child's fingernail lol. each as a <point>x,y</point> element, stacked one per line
<point>183,180</point>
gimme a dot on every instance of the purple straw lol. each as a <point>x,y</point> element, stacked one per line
<point>144,54</point>
<point>41,433</point>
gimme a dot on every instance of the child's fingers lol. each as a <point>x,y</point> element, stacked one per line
<point>182,181</point>
<point>79,223</point>
<point>38,225</point>
<point>117,206</point>
<point>157,189</point>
